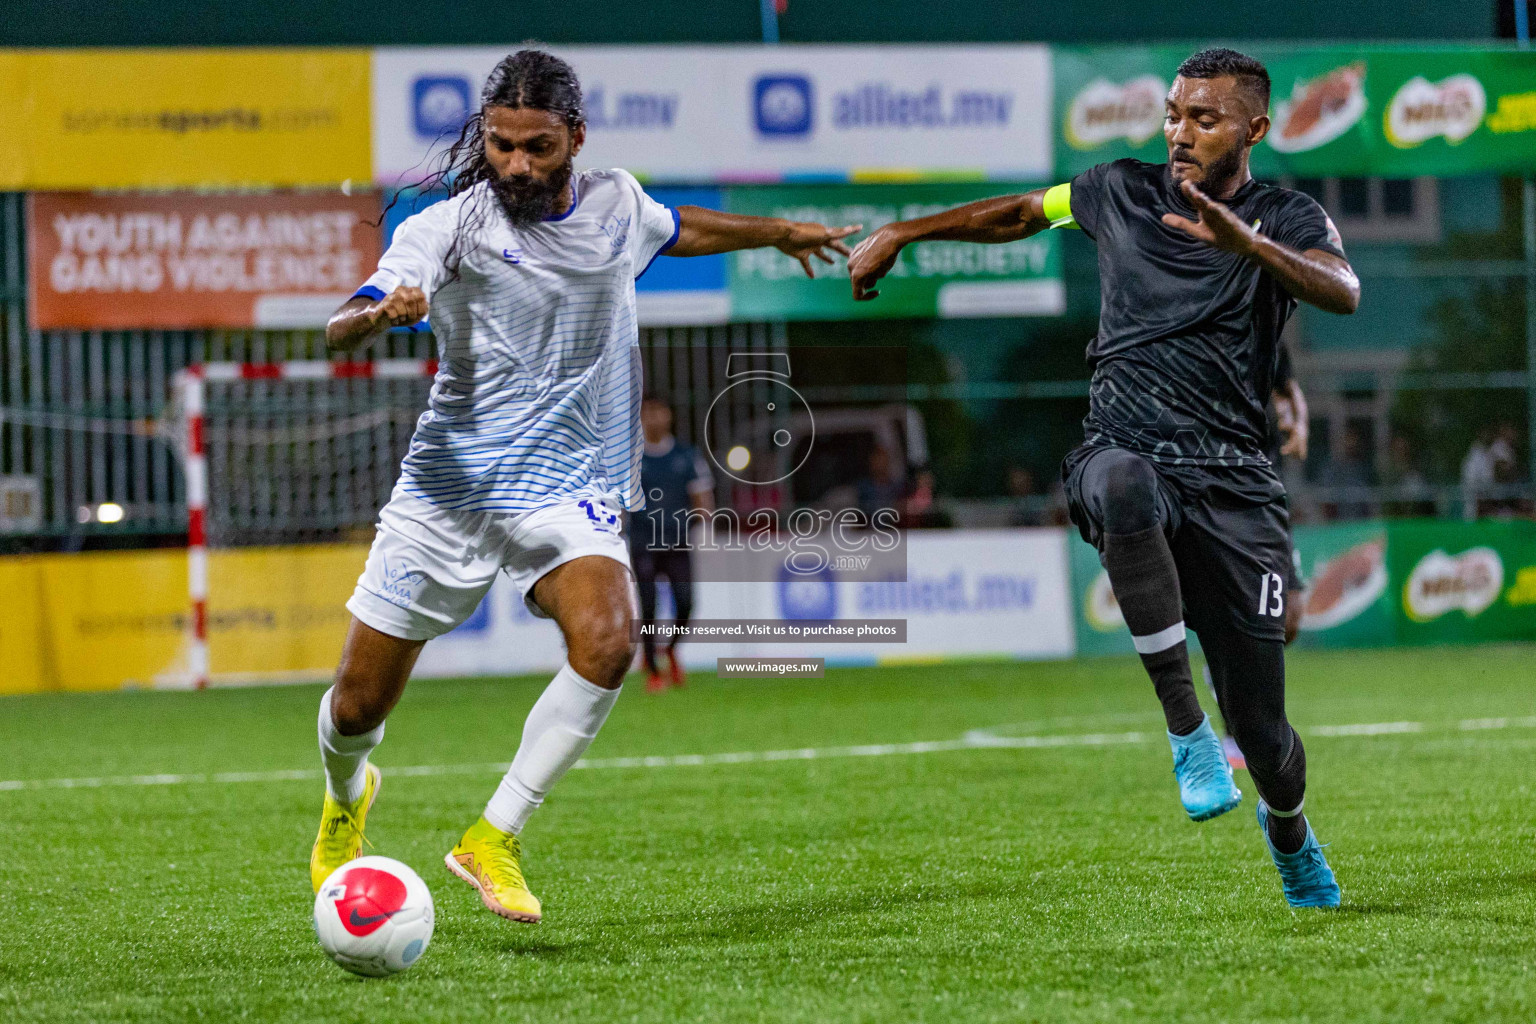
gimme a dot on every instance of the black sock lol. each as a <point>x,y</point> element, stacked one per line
<point>1250,682</point>
<point>1288,834</point>
<point>1285,789</point>
<point>1175,689</point>
<point>1146,584</point>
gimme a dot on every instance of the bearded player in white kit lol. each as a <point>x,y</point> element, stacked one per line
<point>529,450</point>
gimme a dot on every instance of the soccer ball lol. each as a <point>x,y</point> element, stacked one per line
<point>373,916</point>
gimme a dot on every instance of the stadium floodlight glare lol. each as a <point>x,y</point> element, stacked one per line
<point>109,512</point>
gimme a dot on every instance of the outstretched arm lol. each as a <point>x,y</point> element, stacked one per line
<point>702,232</point>
<point>361,319</point>
<point>1004,219</point>
<point>1315,276</point>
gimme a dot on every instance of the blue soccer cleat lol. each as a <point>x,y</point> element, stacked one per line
<point>1205,779</point>
<point>1305,875</point>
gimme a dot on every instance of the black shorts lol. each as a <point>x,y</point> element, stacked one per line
<point>1229,530</point>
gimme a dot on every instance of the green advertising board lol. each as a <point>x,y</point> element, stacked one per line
<point>947,279</point>
<point>1464,581</point>
<point>1371,584</point>
<point>1381,110</point>
<point>1349,601</point>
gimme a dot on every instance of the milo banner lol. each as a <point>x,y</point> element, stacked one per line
<point>1372,584</point>
<point>1382,110</point>
<point>1458,582</point>
<point>1348,600</point>
<point>948,279</point>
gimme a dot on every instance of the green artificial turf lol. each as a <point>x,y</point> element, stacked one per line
<point>1056,883</point>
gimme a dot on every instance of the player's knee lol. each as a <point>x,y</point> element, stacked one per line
<point>1130,493</point>
<point>1264,742</point>
<point>358,705</point>
<point>600,645</point>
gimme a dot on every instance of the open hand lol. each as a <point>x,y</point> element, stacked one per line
<point>1218,226</point>
<point>872,259</point>
<point>806,240</point>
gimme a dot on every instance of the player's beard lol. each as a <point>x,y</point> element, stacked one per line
<point>527,200</point>
<point>1220,172</point>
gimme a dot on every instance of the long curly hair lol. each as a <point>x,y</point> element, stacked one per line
<point>531,79</point>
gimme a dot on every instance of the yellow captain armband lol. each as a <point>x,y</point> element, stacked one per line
<point>1058,206</point>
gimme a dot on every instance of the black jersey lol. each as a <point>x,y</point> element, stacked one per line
<point>1185,357</point>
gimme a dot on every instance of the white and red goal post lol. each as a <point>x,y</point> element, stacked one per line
<point>306,446</point>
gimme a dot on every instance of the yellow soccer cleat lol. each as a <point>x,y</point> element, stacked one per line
<point>491,861</point>
<point>341,830</point>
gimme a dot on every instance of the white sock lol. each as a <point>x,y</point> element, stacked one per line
<point>561,726</point>
<point>345,757</point>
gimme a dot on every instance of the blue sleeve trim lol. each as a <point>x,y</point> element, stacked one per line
<point>677,229</point>
<point>368,291</point>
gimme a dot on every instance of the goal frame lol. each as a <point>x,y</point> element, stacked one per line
<point>193,383</point>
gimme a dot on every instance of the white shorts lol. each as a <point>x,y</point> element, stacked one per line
<point>429,567</point>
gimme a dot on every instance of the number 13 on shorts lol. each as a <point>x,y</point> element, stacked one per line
<point>1272,594</point>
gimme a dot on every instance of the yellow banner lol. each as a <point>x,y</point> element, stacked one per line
<point>107,619</point>
<point>163,118</point>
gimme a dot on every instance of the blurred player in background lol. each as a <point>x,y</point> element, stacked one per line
<point>676,480</point>
<point>1200,266</point>
<point>529,450</point>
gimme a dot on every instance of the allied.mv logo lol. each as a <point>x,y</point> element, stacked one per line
<point>783,105</point>
<point>439,105</point>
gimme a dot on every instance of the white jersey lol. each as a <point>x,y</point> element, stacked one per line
<point>537,396</point>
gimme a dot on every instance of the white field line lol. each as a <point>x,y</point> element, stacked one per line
<point>1368,729</point>
<point>975,739</point>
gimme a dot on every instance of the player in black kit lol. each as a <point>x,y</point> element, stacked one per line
<point>1200,266</point>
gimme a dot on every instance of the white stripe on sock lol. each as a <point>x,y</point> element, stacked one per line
<point>1290,813</point>
<point>1161,640</point>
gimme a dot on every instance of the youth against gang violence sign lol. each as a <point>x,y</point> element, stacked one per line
<point>190,261</point>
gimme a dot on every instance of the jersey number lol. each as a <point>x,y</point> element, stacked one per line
<point>1271,594</point>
